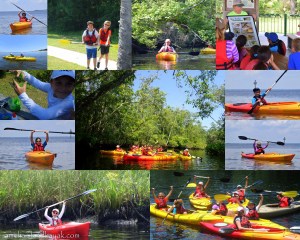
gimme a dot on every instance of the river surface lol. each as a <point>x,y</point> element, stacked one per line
<point>97,161</point>
<point>234,161</point>
<point>245,96</point>
<point>12,153</point>
<point>184,62</point>
<point>6,18</point>
<point>272,180</point>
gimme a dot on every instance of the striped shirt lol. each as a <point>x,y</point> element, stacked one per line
<point>231,51</point>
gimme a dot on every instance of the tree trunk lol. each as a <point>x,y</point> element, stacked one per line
<point>293,6</point>
<point>125,32</point>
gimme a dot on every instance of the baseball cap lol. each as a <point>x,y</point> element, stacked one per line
<point>59,73</point>
<point>272,36</point>
<point>238,3</point>
<point>90,22</point>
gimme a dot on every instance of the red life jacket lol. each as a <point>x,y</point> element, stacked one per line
<point>161,203</point>
<point>241,195</point>
<point>168,49</point>
<point>245,62</point>
<point>38,147</point>
<point>89,39</point>
<point>253,214</point>
<point>260,151</point>
<point>284,202</point>
<point>180,210</point>
<point>244,222</point>
<point>252,64</point>
<point>185,153</point>
<point>223,209</point>
<point>232,200</point>
<point>222,61</point>
<point>56,222</point>
<point>264,102</point>
<point>104,35</point>
<point>199,193</point>
<point>23,19</point>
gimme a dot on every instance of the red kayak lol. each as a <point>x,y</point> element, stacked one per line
<point>257,231</point>
<point>66,230</point>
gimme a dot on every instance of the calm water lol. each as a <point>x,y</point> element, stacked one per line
<point>6,18</point>
<point>245,96</point>
<point>161,180</point>
<point>40,63</point>
<point>96,232</point>
<point>234,161</point>
<point>12,153</point>
<point>184,61</point>
<point>96,161</point>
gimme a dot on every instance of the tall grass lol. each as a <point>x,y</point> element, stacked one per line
<point>25,191</point>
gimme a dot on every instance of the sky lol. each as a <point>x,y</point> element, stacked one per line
<point>176,97</point>
<point>22,43</point>
<point>27,5</point>
<point>50,125</point>
<point>267,130</point>
<point>264,79</point>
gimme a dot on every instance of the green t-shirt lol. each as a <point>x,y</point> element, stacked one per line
<point>233,13</point>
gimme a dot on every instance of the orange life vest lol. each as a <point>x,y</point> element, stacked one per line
<point>38,147</point>
<point>222,61</point>
<point>104,36</point>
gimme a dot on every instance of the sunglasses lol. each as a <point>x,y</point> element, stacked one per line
<point>54,212</point>
<point>38,141</point>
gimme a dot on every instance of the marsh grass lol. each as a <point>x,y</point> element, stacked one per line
<point>25,191</point>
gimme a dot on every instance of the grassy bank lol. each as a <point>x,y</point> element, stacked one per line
<point>58,64</point>
<point>26,191</point>
<point>36,95</point>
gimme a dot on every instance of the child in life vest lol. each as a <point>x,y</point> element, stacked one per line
<point>251,211</point>
<point>259,97</point>
<point>258,149</point>
<point>239,194</point>
<point>167,47</point>
<point>186,153</point>
<point>161,200</point>
<point>200,190</point>
<point>55,220</point>
<point>104,36</point>
<point>284,201</point>
<point>241,221</point>
<point>220,208</point>
<point>37,145</point>
<point>59,90</point>
<point>265,60</point>
<point>23,18</point>
<point>177,208</point>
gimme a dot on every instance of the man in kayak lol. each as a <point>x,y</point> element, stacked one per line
<point>240,193</point>
<point>284,201</point>
<point>241,221</point>
<point>177,208</point>
<point>259,97</point>
<point>104,41</point>
<point>55,220</point>
<point>23,18</point>
<point>200,191</point>
<point>37,145</point>
<point>59,90</point>
<point>161,200</point>
<point>167,47</point>
<point>251,211</point>
<point>90,39</point>
<point>258,149</point>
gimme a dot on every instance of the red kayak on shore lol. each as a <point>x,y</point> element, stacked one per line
<point>66,230</point>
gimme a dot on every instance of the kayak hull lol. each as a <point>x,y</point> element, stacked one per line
<point>181,157</point>
<point>233,206</point>
<point>166,56</point>
<point>113,152</point>
<point>269,157</point>
<point>159,157</point>
<point>41,157</point>
<point>280,108</point>
<point>9,58</point>
<point>28,59</point>
<point>20,25</point>
<point>260,232</point>
<point>270,210</point>
<point>200,203</point>
<point>208,51</point>
<point>72,228</point>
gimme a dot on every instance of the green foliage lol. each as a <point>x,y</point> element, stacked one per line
<point>150,18</point>
<point>278,6</point>
<point>216,138</point>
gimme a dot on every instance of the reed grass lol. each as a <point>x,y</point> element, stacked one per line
<point>26,191</point>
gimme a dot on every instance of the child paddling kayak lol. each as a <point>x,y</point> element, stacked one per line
<point>55,220</point>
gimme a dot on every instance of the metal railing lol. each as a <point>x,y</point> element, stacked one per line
<point>279,23</point>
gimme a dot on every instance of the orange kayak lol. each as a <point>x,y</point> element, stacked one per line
<point>20,25</point>
<point>42,157</point>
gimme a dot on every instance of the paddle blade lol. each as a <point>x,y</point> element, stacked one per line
<point>295,229</point>
<point>226,230</point>
<point>10,129</point>
<point>191,185</point>
<point>290,194</point>
<point>280,143</point>
<point>89,191</point>
<point>243,138</point>
<point>221,197</point>
<point>22,216</point>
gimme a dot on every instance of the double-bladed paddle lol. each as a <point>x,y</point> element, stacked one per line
<point>246,138</point>
<point>28,130</point>
<point>286,194</point>
<point>81,194</point>
<point>257,103</point>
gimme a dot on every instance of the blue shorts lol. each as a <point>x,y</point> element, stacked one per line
<point>91,53</point>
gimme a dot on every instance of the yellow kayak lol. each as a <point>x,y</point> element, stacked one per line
<point>9,57</point>
<point>42,157</point>
<point>208,51</point>
<point>195,217</point>
<point>233,206</point>
<point>166,56</point>
<point>112,152</point>
<point>181,157</point>
<point>200,203</point>
<point>20,25</point>
<point>31,59</point>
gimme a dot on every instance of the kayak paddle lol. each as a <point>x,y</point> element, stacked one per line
<point>81,194</point>
<point>246,138</point>
<point>257,103</point>
<point>286,194</point>
<point>29,14</point>
<point>28,130</point>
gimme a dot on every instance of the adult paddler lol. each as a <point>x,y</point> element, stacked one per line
<point>90,39</point>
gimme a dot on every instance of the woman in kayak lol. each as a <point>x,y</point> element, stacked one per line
<point>177,208</point>
<point>59,90</point>
<point>258,149</point>
<point>241,221</point>
<point>37,145</point>
<point>162,200</point>
<point>200,190</point>
<point>251,211</point>
<point>167,47</point>
<point>55,220</point>
<point>23,18</point>
<point>284,201</point>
